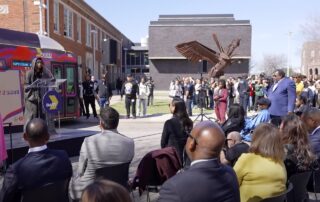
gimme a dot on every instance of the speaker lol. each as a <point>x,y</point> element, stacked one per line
<point>204,66</point>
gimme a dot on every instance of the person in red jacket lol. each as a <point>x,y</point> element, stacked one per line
<point>221,102</point>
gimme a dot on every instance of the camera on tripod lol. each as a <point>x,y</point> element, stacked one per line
<point>202,96</point>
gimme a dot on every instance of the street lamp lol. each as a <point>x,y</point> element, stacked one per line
<point>94,32</point>
<point>289,53</point>
<point>125,59</point>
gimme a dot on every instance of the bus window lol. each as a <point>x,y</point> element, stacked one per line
<point>57,73</point>
<point>70,80</point>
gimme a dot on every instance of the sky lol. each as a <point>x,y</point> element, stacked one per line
<point>271,20</point>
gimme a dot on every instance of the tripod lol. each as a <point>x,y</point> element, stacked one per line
<point>202,103</point>
<point>201,115</point>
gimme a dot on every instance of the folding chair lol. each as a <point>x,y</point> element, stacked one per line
<point>118,173</point>
<point>280,198</point>
<point>51,192</point>
<point>299,192</point>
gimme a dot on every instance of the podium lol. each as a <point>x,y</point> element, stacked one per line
<point>41,87</point>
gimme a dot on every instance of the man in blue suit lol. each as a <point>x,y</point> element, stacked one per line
<point>39,167</point>
<point>207,179</point>
<point>282,95</point>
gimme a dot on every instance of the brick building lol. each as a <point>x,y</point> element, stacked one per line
<point>166,62</point>
<point>76,26</point>
<point>310,59</point>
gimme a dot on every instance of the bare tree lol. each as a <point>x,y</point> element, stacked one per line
<point>272,62</point>
<point>311,28</point>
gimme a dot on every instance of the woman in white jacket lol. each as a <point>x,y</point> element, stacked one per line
<point>144,92</point>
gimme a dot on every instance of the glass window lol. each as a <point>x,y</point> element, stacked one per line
<point>146,59</point>
<point>70,80</point>
<point>88,34</point>
<point>57,72</point>
<point>137,58</point>
<point>56,16</point>
<point>312,53</point>
<point>79,28</point>
<point>95,38</point>
<point>68,25</point>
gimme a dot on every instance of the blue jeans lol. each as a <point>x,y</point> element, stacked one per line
<point>189,108</point>
<point>244,99</point>
<point>103,102</point>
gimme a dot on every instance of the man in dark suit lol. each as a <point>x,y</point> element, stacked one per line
<point>282,95</point>
<point>39,167</point>
<point>207,179</point>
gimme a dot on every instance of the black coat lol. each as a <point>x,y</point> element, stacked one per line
<point>34,170</point>
<point>204,182</point>
<point>174,136</point>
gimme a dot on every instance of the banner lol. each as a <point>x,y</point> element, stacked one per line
<point>11,97</point>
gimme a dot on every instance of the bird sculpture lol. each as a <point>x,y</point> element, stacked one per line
<point>195,52</point>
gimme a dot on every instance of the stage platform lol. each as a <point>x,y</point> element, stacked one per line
<point>69,140</point>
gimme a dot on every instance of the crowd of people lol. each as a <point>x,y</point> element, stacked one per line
<point>246,91</point>
<point>91,90</point>
<point>237,158</point>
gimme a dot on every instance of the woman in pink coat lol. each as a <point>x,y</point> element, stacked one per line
<point>220,107</point>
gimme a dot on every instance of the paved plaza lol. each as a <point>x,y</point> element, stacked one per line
<point>145,131</point>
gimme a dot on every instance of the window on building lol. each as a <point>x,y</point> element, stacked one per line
<point>56,16</point>
<point>146,59</point>
<point>310,71</point>
<point>95,38</point>
<point>88,34</point>
<point>68,22</point>
<point>312,53</point>
<point>79,28</point>
<point>316,71</point>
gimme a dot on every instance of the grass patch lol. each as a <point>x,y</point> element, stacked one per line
<point>158,107</point>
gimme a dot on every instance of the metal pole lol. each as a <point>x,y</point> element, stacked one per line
<point>40,16</point>
<point>59,119</point>
<point>289,55</point>
<point>94,52</point>
<point>125,60</point>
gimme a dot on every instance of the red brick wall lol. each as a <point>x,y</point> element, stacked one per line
<point>24,16</point>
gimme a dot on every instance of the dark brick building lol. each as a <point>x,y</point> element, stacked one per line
<point>169,30</point>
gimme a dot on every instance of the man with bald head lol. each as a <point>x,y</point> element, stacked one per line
<point>207,179</point>
<point>234,148</point>
<point>39,167</point>
<point>311,118</point>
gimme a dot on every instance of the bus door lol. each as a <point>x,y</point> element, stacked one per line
<point>71,93</point>
<point>68,90</point>
<point>57,71</point>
